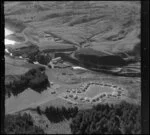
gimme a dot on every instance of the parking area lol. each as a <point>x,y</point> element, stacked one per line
<point>93,92</point>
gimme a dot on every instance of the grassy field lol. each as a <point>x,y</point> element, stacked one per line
<point>49,127</point>
<point>93,91</point>
<point>27,99</point>
<point>15,70</point>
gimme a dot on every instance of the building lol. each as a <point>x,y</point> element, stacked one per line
<point>77,67</point>
<point>36,62</point>
<point>56,60</point>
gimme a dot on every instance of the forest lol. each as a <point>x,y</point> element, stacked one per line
<point>21,124</point>
<point>123,118</point>
<point>58,114</point>
<point>35,79</point>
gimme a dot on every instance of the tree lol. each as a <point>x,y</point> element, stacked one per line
<point>39,110</point>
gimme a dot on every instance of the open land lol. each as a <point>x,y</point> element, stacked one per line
<point>102,37</point>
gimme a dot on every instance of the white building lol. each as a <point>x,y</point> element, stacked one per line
<point>36,62</point>
<point>77,67</point>
<point>20,57</point>
<point>6,50</point>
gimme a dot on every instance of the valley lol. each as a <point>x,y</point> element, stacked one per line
<point>72,54</point>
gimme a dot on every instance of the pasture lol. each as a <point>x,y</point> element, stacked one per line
<point>94,90</point>
<point>27,99</point>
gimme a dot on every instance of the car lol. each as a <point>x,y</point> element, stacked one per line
<point>114,86</point>
<point>88,100</point>
<point>53,92</point>
<point>75,98</point>
<point>93,100</point>
<point>81,98</point>
<point>97,99</point>
<point>73,91</point>
<point>68,90</point>
<point>69,102</point>
<point>65,96</point>
<point>108,85</point>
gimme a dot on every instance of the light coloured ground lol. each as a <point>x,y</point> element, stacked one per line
<point>27,99</point>
<point>15,70</point>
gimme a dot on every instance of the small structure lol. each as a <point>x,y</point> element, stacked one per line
<point>114,93</point>
<point>36,62</point>
<point>56,39</point>
<point>85,98</point>
<point>65,96</point>
<point>50,64</point>
<point>75,97</point>
<point>55,60</point>
<point>97,99</point>
<point>77,67</point>
<point>51,83</point>
<point>53,92</point>
<point>73,91</point>
<point>93,100</point>
<point>71,96</point>
<point>119,88</point>
<point>114,86</point>
<point>68,90</point>
<point>81,98</point>
<point>20,57</point>
<point>88,100</point>
<point>78,91</point>
<point>6,50</point>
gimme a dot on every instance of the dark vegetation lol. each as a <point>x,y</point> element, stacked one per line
<point>40,57</point>
<point>104,60</point>
<point>94,58</point>
<point>57,114</point>
<point>43,58</point>
<point>33,54</point>
<point>27,51</point>
<point>123,118</point>
<point>21,124</point>
<point>35,79</point>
